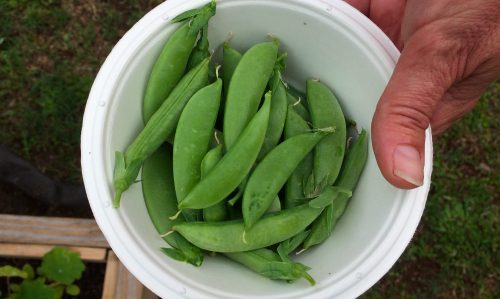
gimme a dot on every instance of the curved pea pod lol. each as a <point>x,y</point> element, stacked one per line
<point>192,138</point>
<point>277,270</point>
<point>173,59</point>
<point>231,236</point>
<point>350,173</point>
<point>159,197</point>
<point>272,173</point>
<point>217,212</point>
<point>277,115</point>
<point>246,88</point>
<point>233,167</point>
<point>294,188</point>
<point>199,16</point>
<point>326,112</point>
<point>158,128</point>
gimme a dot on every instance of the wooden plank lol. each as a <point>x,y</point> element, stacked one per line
<point>119,283</point>
<point>51,230</point>
<point>38,250</point>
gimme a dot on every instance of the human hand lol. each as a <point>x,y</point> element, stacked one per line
<point>450,53</point>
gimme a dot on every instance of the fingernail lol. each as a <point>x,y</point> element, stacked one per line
<point>408,165</point>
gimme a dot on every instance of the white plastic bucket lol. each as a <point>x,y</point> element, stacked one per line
<point>325,39</point>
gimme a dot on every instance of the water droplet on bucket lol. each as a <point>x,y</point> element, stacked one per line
<point>359,275</point>
<point>102,103</point>
<point>183,291</point>
<point>329,9</point>
<point>165,17</point>
<point>107,204</point>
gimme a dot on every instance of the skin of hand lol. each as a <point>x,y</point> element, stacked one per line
<point>450,53</point>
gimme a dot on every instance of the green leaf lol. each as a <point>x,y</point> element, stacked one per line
<point>29,270</point>
<point>9,271</point>
<point>73,290</point>
<point>59,291</point>
<point>36,290</point>
<point>62,265</point>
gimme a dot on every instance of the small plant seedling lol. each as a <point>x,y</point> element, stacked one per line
<point>59,269</point>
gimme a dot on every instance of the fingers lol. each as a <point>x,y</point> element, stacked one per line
<point>404,112</point>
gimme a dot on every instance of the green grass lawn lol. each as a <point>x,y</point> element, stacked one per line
<point>50,52</point>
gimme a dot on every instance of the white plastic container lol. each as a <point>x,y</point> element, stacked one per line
<point>325,39</point>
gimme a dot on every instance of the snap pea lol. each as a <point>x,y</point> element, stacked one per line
<point>232,236</point>
<point>277,115</point>
<point>326,112</point>
<point>159,197</point>
<point>246,88</point>
<point>200,51</point>
<point>230,59</point>
<point>294,190</point>
<point>173,60</point>
<point>233,167</point>
<point>192,138</point>
<point>156,131</point>
<point>217,212</point>
<point>348,178</point>
<point>272,173</point>
<point>277,270</point>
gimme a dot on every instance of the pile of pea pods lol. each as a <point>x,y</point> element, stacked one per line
<point>234,160</point>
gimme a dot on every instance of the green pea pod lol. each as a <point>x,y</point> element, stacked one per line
<point>177,54</point>
<point>156,131</point>
<point>233,167</point>
<point>232,236</point>
<point>200,51</point>
<point>217,212</point>
<point>349,175</point>
<point>277,115</point>
<point>246,88</point>
<point>192,138</point>
<point>326,112</point>
<point>230,59</point>
<point>289,245</point>
<point>277,270</point>
<point>159,197</point>
<point>294,191</point>
<point>272,173</point>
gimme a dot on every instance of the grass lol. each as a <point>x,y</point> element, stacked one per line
<point>50,52</point>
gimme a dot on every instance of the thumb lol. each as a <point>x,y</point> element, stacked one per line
<point>404,111</point>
